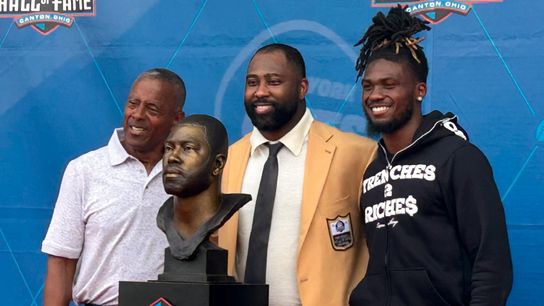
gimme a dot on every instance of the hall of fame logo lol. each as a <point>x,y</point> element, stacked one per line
<point>434,11</point>
<point>161,302</point>
<point>340,232</point>
<point>45,16</point>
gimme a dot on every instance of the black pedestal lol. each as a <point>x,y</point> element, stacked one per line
<point>192,294</point>
<point>200,281</point>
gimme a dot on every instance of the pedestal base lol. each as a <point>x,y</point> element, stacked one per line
<point>192,294</point>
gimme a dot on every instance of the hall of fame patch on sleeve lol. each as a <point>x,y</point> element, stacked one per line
<point>340,232</point>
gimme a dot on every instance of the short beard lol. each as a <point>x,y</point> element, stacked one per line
<point>274,121</point>
<point>374,129</point>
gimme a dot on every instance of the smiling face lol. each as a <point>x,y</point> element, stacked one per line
<point>150,112</point>
<point>390,96</point>
<point>188,164</point>
<point>274,94</point>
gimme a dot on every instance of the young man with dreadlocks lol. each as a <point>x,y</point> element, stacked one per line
<point>433,217</point>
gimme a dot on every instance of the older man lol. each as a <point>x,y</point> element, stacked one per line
<point>103,228</point>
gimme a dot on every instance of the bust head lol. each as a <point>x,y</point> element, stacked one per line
<point>195,153</point>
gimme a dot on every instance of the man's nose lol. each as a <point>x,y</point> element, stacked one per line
<point>139,112</point>
<point>375,94</point>
<point>175,156</point>
<point>261,90</point>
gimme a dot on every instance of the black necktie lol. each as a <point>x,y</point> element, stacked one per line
<point>260,230</point>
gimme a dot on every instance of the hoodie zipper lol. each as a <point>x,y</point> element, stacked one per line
<point>388,289</point>
<point>388,285</point>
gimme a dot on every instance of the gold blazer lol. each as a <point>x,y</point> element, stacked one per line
<point>331,259</point>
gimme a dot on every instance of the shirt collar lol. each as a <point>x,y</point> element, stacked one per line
<point>116,151</point>
<point>293,140</point>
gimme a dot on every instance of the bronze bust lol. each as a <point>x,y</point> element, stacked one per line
<point>195,269</point>
<point>195,153</point>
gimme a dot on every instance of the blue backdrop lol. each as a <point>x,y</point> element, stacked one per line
<point>62,94</point>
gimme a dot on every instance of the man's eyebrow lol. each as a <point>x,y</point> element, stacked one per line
<point>187,139</point>
<point>388,78</point>
<point>266,75</point>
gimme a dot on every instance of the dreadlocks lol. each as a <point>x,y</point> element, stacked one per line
<point>391,37</point>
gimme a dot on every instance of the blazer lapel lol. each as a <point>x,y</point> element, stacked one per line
<point>236,176</point>
<point>232,183</point>
<point>318,161</point>
<point>238,166</point>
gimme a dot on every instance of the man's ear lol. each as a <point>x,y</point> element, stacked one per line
<point>219,164</point>
<point>421,89</point>
<point>303,88</point>
<point>180,115</point>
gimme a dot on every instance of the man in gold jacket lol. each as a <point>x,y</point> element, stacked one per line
<point>316,251</point>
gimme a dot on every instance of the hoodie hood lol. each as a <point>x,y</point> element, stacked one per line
<point>435,125</point>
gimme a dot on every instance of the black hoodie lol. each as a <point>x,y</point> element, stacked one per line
<point>434,223</point>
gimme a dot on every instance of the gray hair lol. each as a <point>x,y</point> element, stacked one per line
<point>169,76</point>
